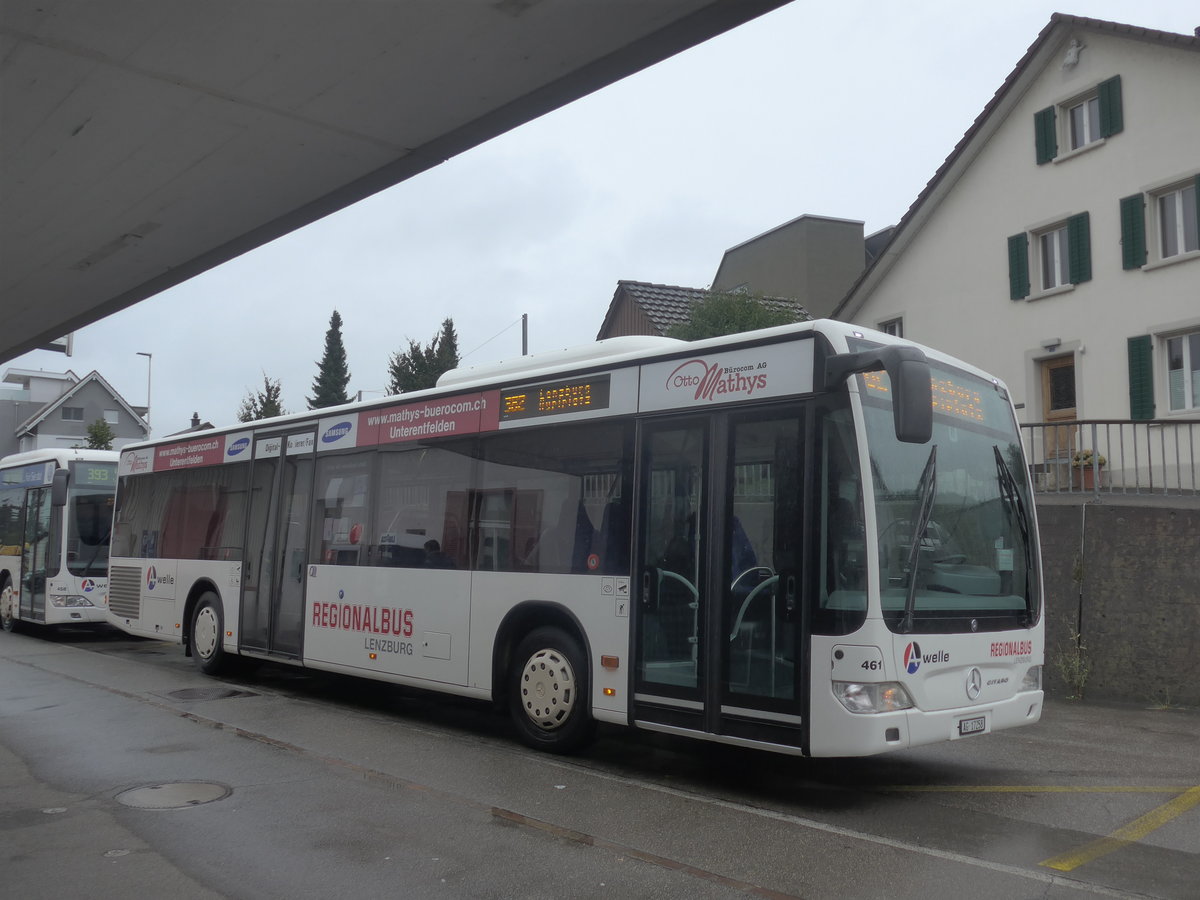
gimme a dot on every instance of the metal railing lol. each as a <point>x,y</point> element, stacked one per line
<point>1114,456</point>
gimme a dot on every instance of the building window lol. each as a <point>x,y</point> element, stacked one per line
<point>1178,226</point>
<point>1062,256</point>
<point>1052,245</point>
<point>1086,118</point>
<point>112,417</point>
<point>1183,371</point>
<point>894,327</point>
<point>72,413</point>
<point>1166,219</point>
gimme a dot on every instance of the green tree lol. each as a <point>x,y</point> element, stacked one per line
<point>100,436</point>
<point>722,313</point>
<point>264,404</point>
<point>420,367</point>
<point>329,387</point>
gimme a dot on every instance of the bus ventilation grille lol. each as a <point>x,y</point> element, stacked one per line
<point>125,591</point>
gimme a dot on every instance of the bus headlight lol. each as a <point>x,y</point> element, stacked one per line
<point>70,601</point>
<point>858,697</point>
<point>1032,680</point>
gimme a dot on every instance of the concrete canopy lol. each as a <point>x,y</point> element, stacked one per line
<point>145,141</point>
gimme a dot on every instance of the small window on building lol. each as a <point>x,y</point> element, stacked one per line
<point>1084,119</point>
<point>72,413</point>
<point>1183,371</point>
<point>1178,226</point>
<point>112,417</point>
<point>1052,247</point>
<point>1062,255</point>
<point>894,327</point>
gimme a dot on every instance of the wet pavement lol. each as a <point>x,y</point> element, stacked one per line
<point>124,772</point>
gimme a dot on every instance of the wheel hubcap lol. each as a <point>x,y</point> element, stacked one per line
<point>205,636</point>
<point>548,689</point>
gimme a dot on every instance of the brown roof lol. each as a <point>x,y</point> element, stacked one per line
<point>667,305</point>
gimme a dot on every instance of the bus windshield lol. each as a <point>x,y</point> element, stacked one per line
<point>88,516</point>
<point>953,516</point>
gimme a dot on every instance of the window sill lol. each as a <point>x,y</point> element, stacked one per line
<point>1171,260</point>
<point>1071,154</point>
<point>1050,292</point>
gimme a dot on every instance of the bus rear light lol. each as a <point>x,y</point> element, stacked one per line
<point>610,692</point>
<point>610,662</point>
<point>858,697</point>
<point>370,656</point>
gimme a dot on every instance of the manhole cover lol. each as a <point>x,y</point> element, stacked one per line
<point>175,795</point>
<point>216,693</point>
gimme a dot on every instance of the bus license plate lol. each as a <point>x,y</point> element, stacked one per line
<point>973,725</point>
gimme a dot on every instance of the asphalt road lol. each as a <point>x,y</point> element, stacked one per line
<point>125,773</point>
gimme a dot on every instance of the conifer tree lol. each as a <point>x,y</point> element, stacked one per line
<point>420,367</point>
<point>329,387</point>
<point>264,404</point>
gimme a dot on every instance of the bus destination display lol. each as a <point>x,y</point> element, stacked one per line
<point>949,397</point>
<point>554,398</point>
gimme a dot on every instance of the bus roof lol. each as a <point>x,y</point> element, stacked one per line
<point>60,455</point>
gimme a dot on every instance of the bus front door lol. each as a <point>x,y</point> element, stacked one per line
<point>718,613</point>
<point>35,554</point>
<point>272,613</point>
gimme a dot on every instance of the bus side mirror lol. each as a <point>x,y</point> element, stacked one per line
<point>912,390</point>
<point>58,488</point>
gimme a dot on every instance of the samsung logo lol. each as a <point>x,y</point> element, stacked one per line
<point>237,446</point>
<point>336,432</point>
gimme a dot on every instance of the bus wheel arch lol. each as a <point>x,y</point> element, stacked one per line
<point>542,665</point>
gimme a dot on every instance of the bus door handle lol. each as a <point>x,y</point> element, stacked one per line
<point>789,596</point>
<point>650,587</point>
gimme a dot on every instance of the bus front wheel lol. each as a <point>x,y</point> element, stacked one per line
<point>207,630</point>
<point>8,607</point>
<point>548,692</point>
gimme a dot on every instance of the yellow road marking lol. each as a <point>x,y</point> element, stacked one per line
<point>1186,799</point>
<point>1128,834</point>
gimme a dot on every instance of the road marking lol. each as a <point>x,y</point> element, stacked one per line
<point>1035,789</point>
<point>1128,834</point>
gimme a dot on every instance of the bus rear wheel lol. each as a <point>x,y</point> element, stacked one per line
<point>208,629</point>
<point>548,692</point>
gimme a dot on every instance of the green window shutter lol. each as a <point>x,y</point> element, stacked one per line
<point>1018,266</point>
<point>1079,249</point>
<point>1133,232</point>
<point>1112,114</point>
<point>1141,378</point>
<point>1045,135</point>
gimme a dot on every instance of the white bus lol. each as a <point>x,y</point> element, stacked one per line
<point>55,516</point>
<point>811,539</point>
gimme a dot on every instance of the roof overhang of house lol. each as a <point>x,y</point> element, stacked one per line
<point>144,143</point>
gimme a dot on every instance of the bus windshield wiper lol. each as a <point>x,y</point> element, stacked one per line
<point>926,491</point>
<point>1012,498</point>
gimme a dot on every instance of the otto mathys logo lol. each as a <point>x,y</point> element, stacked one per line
<point>714,381</point>
<point>88,585</point>
<point>912,658</point>
<point>336,432</point>
<point>151,578</point>
<point>237,447</point>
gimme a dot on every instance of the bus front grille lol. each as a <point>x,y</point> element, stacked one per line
<point>125,591</point>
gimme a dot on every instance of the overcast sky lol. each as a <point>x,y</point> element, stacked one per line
<point>843,110</point>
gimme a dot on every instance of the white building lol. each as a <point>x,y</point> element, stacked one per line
<point>1057,246</point>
